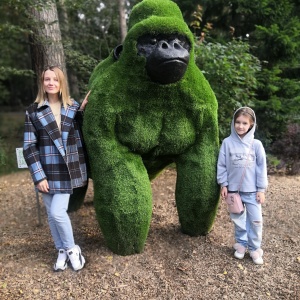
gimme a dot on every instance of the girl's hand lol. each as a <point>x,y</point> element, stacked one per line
<point>224,192</point>
<point>260,197</point>
<point>85,101</point>
<point>43,186</point>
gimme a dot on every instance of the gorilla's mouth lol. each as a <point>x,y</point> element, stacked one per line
<point>175,61</point>
<point>168,71</point>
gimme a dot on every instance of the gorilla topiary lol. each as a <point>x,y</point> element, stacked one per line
<point>150,106</point>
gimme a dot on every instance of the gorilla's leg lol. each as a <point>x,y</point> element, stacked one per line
<point>197,192</point>
<point>123,202</point>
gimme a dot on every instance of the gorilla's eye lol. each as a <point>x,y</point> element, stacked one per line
<point>153,41</point>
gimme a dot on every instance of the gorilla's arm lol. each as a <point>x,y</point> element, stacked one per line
<point>122,191</point>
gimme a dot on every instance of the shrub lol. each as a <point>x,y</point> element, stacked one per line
<point>287,148</point>
<point>231,71</point>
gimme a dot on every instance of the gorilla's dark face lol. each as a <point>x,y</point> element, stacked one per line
<point>167,56</point>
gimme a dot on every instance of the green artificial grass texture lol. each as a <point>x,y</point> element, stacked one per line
<point>133,128</point>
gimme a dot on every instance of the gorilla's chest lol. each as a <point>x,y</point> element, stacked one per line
<point>169,132</point>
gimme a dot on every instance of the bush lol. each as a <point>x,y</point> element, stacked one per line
<point>287,148</point>
<point>231,71</point>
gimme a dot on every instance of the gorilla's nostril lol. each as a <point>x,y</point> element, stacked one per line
<point>165,45</point>
<point>177,46</point>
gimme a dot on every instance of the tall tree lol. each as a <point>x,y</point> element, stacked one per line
<point>122,18</point>
<point>46,44</point>
<point>65,29</point>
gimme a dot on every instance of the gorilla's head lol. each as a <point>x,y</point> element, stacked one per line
<point>160,35</point>
<point>167,56</point>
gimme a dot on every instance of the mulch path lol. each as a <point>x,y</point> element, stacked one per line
<point>172,266</point>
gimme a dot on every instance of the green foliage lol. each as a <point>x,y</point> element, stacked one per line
<point>276,44</point>
<point>231,71</point>
<point>273,161</point>
<point>272,29</point>
<point>15,75</point>
<point>82,65</point>
<point>93,27</point>
<point>279,103</point>
<point>133,126</point>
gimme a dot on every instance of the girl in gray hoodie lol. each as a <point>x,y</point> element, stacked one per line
<point>238,151</point>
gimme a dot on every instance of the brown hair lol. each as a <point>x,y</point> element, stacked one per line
<point>245,111</point>
<point>64,91</point>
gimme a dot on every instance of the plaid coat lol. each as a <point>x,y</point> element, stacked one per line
<point>58,157</point>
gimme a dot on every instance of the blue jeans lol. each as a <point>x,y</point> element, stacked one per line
<point>248,225</point>
<point>59,221</point>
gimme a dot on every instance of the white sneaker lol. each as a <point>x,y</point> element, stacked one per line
<point>240,251</point>
<point>62,260</point>
<point>76,258</point>
<point>257,256</point>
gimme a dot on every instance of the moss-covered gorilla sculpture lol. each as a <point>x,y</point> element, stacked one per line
<point>150,105</point>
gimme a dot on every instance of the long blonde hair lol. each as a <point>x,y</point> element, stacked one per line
<point>64,95</point>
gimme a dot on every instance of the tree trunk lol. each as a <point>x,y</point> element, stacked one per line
<point>122,19</point>
<point>46,45</point>
<point>64,26</point>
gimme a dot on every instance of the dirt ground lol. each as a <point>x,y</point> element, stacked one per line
<point>172,266</point>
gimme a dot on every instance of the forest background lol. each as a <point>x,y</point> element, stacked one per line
<point>249,51</point>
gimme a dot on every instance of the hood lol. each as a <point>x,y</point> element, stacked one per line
<point>250,134</point>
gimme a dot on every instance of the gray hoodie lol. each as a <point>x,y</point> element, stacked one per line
<point>232,159</point>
